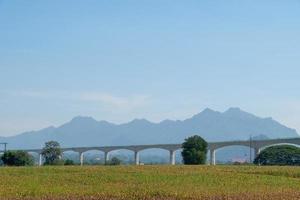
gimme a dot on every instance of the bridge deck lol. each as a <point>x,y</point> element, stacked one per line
<point>174,147</point>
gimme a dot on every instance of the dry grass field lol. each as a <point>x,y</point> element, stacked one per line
<point>151,183</point>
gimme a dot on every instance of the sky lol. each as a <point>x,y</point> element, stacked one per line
<point>118,60</point>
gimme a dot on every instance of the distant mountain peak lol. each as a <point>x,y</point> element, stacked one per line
<point>82,118</point>
<point>233,109</point>
<point>205,114</point>
<point>237,112</point>
<point>139,121</point>
<point>208,110</point>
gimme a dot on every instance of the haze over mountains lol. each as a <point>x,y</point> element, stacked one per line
<point>232,124</point>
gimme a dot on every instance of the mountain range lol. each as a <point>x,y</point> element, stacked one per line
<point>233,124</point>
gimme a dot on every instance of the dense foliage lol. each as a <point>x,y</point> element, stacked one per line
<point>17,158</point>
<point>194,150</point>
<point>52,153</point>
<point>279,155</point>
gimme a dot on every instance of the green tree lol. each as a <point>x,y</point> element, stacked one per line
<point>17,158</point>
<point>52,153</point>
<point>279,155</point>
<point>194,150</point>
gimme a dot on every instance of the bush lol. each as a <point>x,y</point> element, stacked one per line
<point>279,155</point>
<point>69,162</point>
<point>17,158</point>
<point>114,161</point>
<point>194,150</point>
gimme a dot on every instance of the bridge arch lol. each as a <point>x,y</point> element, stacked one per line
<point>128,153</point>
<point>230,145</point>
<point>94,151</point>
<point>69,151</point>
<point>120,149</point>
<point>277,144</point>
<point>247,153</point>
<point>35,155</point>
<point>166,152</point>
<point>268,143</point>
<point>71,154</point>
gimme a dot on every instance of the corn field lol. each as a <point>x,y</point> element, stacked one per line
<point>150,183</point>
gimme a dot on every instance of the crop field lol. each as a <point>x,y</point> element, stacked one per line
<point>150,182</point>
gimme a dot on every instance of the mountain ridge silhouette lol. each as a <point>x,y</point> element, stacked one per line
<point>233,124</point>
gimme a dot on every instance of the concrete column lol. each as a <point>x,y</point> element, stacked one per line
<point>81,158</point>
<point>172,157</point>
<point>106,157</point>
<point>257,152</point>
<point>137,157</point>
<point>212,157</point>
<point>40,159</point>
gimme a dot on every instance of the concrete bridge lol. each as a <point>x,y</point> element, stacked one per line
<point>256,145</point>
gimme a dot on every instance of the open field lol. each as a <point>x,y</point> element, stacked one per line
<point>151,182</point>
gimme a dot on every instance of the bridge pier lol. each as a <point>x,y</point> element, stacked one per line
<point>137,157</point>
<point>40,159</point>
<point>212,157</point>
<point>172,157</point>
<point>106,157</point>
<point>256,152</point>
<point>81,158</point>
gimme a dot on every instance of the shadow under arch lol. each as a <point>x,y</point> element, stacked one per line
<point>71,155</point>
<point>236,153</point>
<point>35,155</point>
<point>127,156</point>
<point>92,157</point>
<point>152,156</point>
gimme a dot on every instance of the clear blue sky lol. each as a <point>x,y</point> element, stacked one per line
<point>118,60</point>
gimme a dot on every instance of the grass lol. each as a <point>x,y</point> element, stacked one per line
<point>151,182</point>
